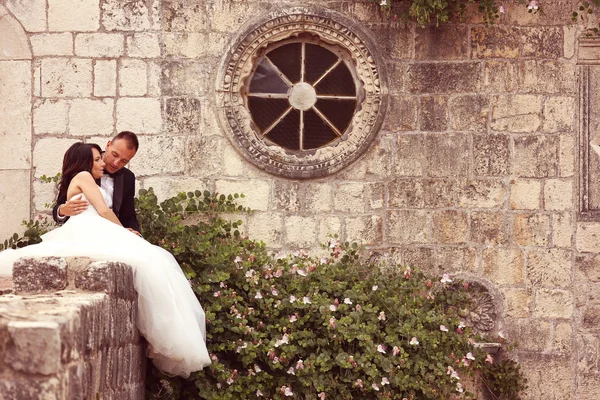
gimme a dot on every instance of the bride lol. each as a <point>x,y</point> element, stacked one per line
<point>170,316</point>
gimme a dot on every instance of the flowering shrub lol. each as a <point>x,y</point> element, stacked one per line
<point>297,327</point>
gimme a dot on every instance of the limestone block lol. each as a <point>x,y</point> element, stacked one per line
<point>66,77</point>
<point>99,45</point>
<point>469,113</point>
<point>428,45</point>
<point>407,193</point>
<point>411,155</point>
<point>285,195</point>
<point>517,302</point>
<point>481,193</point>
<point>50,116</point>
<point>366,230</point>
<point>349,197</point>
<point>329,226</point>
<point>587,237</point>
<point>549,267</point>
<point>91,117</point>
<point>136,17</point>
<point>549,377</point>
<point>589,265</point>
<point>434,113</point>
<point>491,154</point>
<point>143,45</point>
<point>133,78</point>
<point>503,266</point>
<point>532,334</point>
<point>154,77</point>
<point>14,201</point>
<point>166,187</point>
<point>73,15</point>
<point>266,226</point>
<point>230,16</point>
<point>569,35</point>
<point>536,156</point>
<point>35,347</point>
<point>567,151</point>
<point>316,197</point>
<point>15,45</point>
<point>439,193</point>
<point>159,155</point>
<point>398,44</point>
<point>233,165</point>
<point>553,303</point>
<point>450,226</point>
<point>376,163</point>
<point>32,14</point>
<point>558,195</point>
<point>38,275</point>
<point>48,155</point>
<point>398,73</point>
<point>499,77</point>
<point>559,114</point>
<point>376,195</point>
<point>140,115</point>
<point>52,44</point>
<point>184,45</point>
<point>114,278</point>
<point>496,42</point>
<point>183,78</point>
<point>489,228</point>
<point>516,113</point>
<point>44,195</point>
<point>456,259</point>
<point>591,318</point>
<point>186,16</point>
<point>205,155</point>
<point>105,78</point>
<point>563,338</point>
<point>444,77</point>
<point>562,229</point>
<point>448,155</point>
<point>588,387</point>
<point>15,109</point>
<point>525,194</point>
<point>408,226</point>
<point>532,229</point>
<point>183,115</point>
<point>300,231</point>
<point>587,350</point>
<point>257,192</point>
<point>542,42</point>
<point>37,78</point>
<point>547,76</point>
<point>422,257</point>
<point>402,115</point>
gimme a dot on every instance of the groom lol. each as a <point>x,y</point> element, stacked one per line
<point>118,182</point>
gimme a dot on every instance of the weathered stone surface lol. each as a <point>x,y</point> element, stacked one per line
<point>231,16</point>
<point>546,76</point>
<point>399,43</point>
<point>549,377</point>
<point>184,15</point>
<point>490,228</point>
<point>542,42</point>
<point>558,195</point>
<point>553,303</point>
<point>444,77</point>
<point>32,14</point>
<point>559,114</point>
<point>447,155</point>
<point>105,78</point>
<point>66,77</point>
<point>469,113</point>
<point>317,197</point>
<point>38,275</point>
<point>499,76</point>
<point>133,78</point>
<point>536,156</point>
<point>184,45</point>
<point>411,155</point>
<point>91,117</point>
<point>328,226</point>
<point>563,338</point>
<point>285,196</point>
<point>588,387</point>
<point>257,192</point>
<point>517,302</point>
<point>590,319</point>
<point>52,44</point>
<point>183,115</point>
<point>589,265</point>
<point>159,155</point>
<point>450,227</point>
<point>481,193</point>
<point>402,115</point>
<point>35,347</point>
<point>376,195</point>
<point>114,278</point>
<point>406,193</point>
<point>367,230</point>
<point>516,113</point>
<point>491,155</point>
<point>562,229</point>
<point>434,113</point>
<point>405,227</point>
<point>549,267</point>
<point>266,226</point>
<point>141,115</point>
<point>567,150</point>
<point>532,229</point>
<point>300,231</point>
<point>533,334</point>
<point>441,192</point>
<point>376,163</point>
<point>525,194</point>
<point>14,197</point>
<point>15,45</point>
<point>503,266</point>
<point>50,116</point>
<point>135,17</point>
<point>456,259</point>
<point>31,388</point>
<point>454,46</point>
<point>495,42</point>
<point>349,197</point>
<point>184,78</point>
<point>587,346</point>
<point>99,45</point>
<point>587,237</point>
<point>143,45</point>
<point>73,15</point>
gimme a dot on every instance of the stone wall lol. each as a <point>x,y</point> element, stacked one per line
<point>475,170</point>
<point>68,331</point>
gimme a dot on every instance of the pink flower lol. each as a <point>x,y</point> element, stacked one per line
<point>332,322</point>
<point>381,316</point>
<point>293,318</point>
<point>407,272</point>
<point>443,328</point>
<point>322,396</point>
<point>287,391</point>
<point>358,383</point>
<point>533,5</point>
<point>274,291</point>
<point>489,359</point>
<point>217,294</point>
<point>395,350</point>
<point>292,298</point>
<point>414,341</point>
<point>358,307</point>
<point>375,387</point>
<point>501,9</point>
<point>300,364</point>
<point>333,307</point>
<point>381,348</point>
<point>446,279</point>
<point>384,381</point>
<point>347,301</point>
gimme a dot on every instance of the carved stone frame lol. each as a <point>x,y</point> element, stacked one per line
<point>239,63</point>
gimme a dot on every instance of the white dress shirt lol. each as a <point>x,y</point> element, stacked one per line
<point>108,184</point>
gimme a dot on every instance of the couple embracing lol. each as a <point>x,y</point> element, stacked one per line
<point>100,223</point>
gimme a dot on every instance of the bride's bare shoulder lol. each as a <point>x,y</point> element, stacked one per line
<point>83,175</point>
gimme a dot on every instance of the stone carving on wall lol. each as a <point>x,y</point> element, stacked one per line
<point>239,65</point>
<point>481,315</point>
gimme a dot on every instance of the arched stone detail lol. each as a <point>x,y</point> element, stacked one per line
<point>484,315</point>
<point>15,124</point>
<point>329,28</point>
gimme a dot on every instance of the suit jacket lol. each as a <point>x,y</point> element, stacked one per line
<point>123,205</point>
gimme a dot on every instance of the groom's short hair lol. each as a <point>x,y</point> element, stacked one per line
<point>130,138</point>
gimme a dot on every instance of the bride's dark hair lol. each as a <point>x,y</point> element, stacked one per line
<point>79,157</point>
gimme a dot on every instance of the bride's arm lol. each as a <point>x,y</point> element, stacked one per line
<point>85,182</point>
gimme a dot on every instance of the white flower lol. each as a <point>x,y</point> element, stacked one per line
<point>333,307</point>
<point>381,348</point>
<point>470,356</point>
<point>489,359</point>
<point>414,341</point>
<point>333,244</point>
<point>459,387</point>
<point>358,383</point>
<point>384,381</point>
<point>446,279</point>
<point>300,364</point>
<point>383,3</point>
<point>501,335</point>
<point>257,368</point>
<point>323,260</point>
<point>292,298</point>
<point>259,393</point>
<point>322,395</point>
<point>453,374</point>
<point>347,301</point>
<point>461,325</point>
<point>274,292</point>
<point>381,316</point>
<point>217,294</point>
<point>285,339</point>
<point>501,9</point>
<point>375,387</point>
<point>293,318</point>
<point>291,371</point>
<point>222,284</point>
<point>287,391</point>
<point>533,5</point>
<point>443,328</point>
<point>249,273</point>
<point>237,259</point>
<point>301,272</point>
<point>374,288</point>
<point>258,295</point>
<point>396,350</point>
<point>306,300</point>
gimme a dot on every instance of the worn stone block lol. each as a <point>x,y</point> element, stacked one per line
<point>562,229</point>
<point>542,42</point>
<point>268,227</point>
<point>184,15</point>
<point>490,228</point>
<point>234,164</point>
<point>376,163</point>
<point>428,45</point>
<point>491,155</point>
<point>143,45</point>
<point>105,78</point>
<point>367,230</point>
<point>469,113</point>
<point>589,265</point>
<point>536,156</point>
<point>15,45</point>
<point>535,335</point>
<point>439,193</point>
<point>456,259</point>
<point>503,266</point>
<point>285,196</point>
<point>376,195</point>
<point>448,155</point>
<point>140,115</point>
<point>475,193</point>
<point>52,44</point>
<point>553,303</point>
<point>444,77</point>
<point>14,197</point>
<point>73,15</point>
<point>349,197</point>
<point>114,278</point>
<point>559,114</point>
<point>525,194</point>
<point>300,231</point>
<point>408,226</point>
<point>133,78</point>
<point>184,45</point>
<point>50,116</point>
<point>587,347</point>
<point>99,45</point>
<point>38,275</point>
<point>231,16</point>
<point>563,338</point>
<point>116,17</point>
<point>32,14</point>
<point>587,237</point>
<point>43,194</point>
<point>399,43</point>
<point>548,377</point>
<point>499,77</point>
<point>159,154</point>
<point>532,229</point>
<point>317,197</point>
<point>422,257</point>
<point>450,227</point>
<point>495,42</point>
<point>434,113</point>
<point>66,77</point>
<point>329,226</point>
<point>91,117</point>
<point>588,387</point>
<point>205,155</point>
<point>516,113</point>
<point>558,195</point>
<point>183,115</point>
<point>590,319</point>
<point>411,155</point>
<point>257,192</point>
<point>549,267</point>
<point>402,114</point>
<point>567,155</point>
<point>407,193</point>
<point>184,78</point>
<point>517,302</point>
<point>546,76</point>
<point>398,73</point>
<point>154,78</point>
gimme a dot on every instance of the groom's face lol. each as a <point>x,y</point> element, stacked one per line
<point>117,155</point>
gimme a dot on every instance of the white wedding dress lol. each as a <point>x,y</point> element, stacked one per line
<point>170,316</point>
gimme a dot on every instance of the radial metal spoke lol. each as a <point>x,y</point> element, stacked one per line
<point>336,97</point>
<point>278,120</point>
<point>301,130</point>
<point>327,72</point>
<point>324,118</point>
<point>302,62</point>
<point>269,95</point>
<point>278,71</point>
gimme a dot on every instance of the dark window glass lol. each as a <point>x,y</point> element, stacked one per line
<point>266,80</point>
<point>287,59</point>
<point>265,111</point>
<point>338,111</point>
<point>337,82</point>
<point>318,60</point>
<point>287,133</point>
<point>316,132</point>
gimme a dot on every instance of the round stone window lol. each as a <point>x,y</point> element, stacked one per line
<point>301,95</point>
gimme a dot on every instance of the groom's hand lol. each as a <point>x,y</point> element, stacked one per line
<point>73,207</point>
<point>134,231</point>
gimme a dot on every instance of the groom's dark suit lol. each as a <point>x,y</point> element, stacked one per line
<point>123,205</point>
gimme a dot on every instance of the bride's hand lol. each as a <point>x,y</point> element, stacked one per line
<point>73,207</point>
<point>134,231</point>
